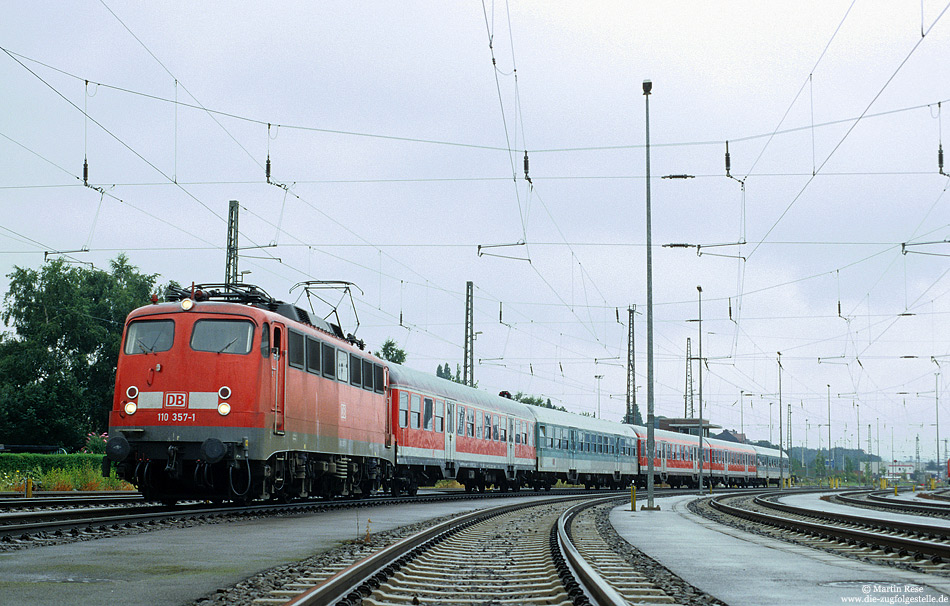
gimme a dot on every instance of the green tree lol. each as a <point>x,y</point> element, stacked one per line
<point>537,401</point>
<point>390,351</point>
<point>57,371</point>
<point>819,466</point>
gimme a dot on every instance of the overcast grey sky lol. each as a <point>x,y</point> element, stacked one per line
<point>402,150</point>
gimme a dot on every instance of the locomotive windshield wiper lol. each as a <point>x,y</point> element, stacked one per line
<point>144,347</point>
<point>230,343</point>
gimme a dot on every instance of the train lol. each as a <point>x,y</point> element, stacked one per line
<point>224,393</point>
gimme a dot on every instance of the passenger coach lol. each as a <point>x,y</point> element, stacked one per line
<point>445,430</point>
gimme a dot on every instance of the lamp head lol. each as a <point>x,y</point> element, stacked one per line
<point>647,87</point>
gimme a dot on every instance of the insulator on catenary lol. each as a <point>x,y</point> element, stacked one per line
<point>526,177</point>
<point>85,171</point>
<point>940,158</point>
<point>728,161</point>
<point>267,168</point>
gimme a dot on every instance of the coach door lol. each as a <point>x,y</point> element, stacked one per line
<point>511,442</point>
<point>450,437</point>
<point>277,375</point>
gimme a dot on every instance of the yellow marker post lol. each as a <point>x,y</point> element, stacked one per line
<point>633,498</point>
<point>28,487</point>
<point>895,490</point>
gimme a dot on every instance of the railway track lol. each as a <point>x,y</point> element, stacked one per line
<point>882,499</point>
<point>921,546</point>
<point>538,553</point>
<point>60,522</point>
<point>48,500</point>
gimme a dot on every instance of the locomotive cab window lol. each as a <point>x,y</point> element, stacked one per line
<point>149,336</point>
<point>378,373</point>
<point>265,340</point>
<point>223,336</point>
<point>342,366</point>
<point>356,370</point>
<point>313,356</point>
<point>367,375</point>
<point>329,361</point>
<point>295,349</point>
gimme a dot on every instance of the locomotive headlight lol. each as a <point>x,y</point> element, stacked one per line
<point>132,392</point>
<point>187,304</point>
<point>224,393</point>
<point>224,409</point>
<point>130,408</point>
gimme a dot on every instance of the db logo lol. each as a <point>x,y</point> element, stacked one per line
<point>175,399</point>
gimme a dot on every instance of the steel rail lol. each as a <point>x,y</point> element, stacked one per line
<point>935,532</point>
<point>591,581</point>
<point>934,551</point>
<point>360,579</point>
<point>877,499</point>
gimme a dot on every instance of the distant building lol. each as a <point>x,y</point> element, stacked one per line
<point>900,471</point>
<point>687,426</point>
<point>731,435</point>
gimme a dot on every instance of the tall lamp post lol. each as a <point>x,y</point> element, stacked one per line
<point>937,409</point>
<point>699,289</point>
<point>651,445</point>
<point>598,377</point>
<point>830,451</point>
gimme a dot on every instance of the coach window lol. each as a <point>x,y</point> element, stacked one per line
<point>149,336</point>
<point>313,356</point>
<point>329,361</point>
<point>427,414</point>
<point>460,425</point>
<point>378,375</point>
<point>439,416</point>
<point>503,430</point>
<point>415,411</point>
<point>518,427</point>
<point>403,409</point>
<point>470,423</point>
<point>265,340</point>
<point>449,417</point>
<point>367,375</point>
<point>494,427</point>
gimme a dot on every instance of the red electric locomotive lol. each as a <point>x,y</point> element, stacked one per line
<point>225,393</point>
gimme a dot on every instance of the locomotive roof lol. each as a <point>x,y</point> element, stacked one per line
<point>403,376</point>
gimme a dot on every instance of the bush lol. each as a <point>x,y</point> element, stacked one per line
<point>57,472</point>
<point>95,443</point>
